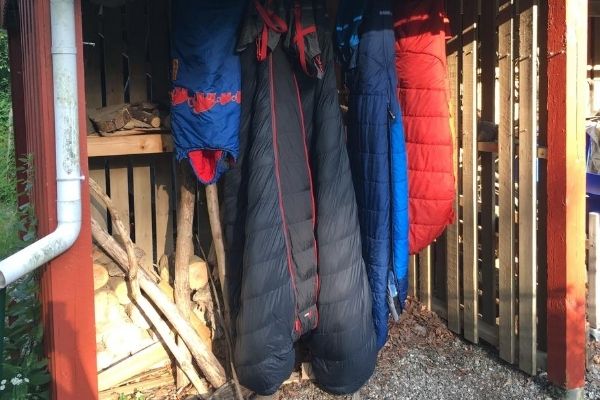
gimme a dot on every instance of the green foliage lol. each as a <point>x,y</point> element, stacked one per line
<point>24,368</point>
<point>7,161</point>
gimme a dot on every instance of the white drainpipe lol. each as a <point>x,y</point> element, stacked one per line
<point>68,173</point>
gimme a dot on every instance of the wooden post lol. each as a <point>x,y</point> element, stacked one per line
<point>469,173</point>
<point>425,278</point>
<point>528,187</point>
<point>183,253</point>
<point>67,287</point>
<point>565,80</point>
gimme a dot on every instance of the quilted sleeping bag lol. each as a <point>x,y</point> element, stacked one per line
<point>292,229</point>
<point>376,148</point>
<point>420,27</point>
<point>206,79</point>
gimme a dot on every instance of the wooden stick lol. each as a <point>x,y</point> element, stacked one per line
<point>183,253</point>
<point>212,200</point>
<point>208,363</point>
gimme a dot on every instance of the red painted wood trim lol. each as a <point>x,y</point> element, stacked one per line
<point>67,282</point>
<point>565,211</point>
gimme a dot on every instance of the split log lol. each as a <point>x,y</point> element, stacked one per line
<point>208,363</point>
<point>183,252</point>
<point>100,276</point>
<point>105,359</point>
<point>109,119</point>
<point>137,124</point>
<point>152,357</point>
<point>198,273</point>
<point>107,307</point>
<point>122,338</point>
<point>146,117</point>
<point>120,289</point>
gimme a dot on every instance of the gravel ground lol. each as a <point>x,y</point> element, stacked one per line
<point>423,360</point>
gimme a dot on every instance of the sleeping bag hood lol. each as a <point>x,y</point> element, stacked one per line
<point>291,226</point>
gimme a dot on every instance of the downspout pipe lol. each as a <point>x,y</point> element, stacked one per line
<point>68,171</point>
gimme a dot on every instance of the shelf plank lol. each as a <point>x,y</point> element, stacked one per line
<point>99,146</point>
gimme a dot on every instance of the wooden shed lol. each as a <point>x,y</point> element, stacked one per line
<point>511,271</point>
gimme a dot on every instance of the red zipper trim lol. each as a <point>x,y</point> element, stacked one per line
<point>310,180</point>
<point>279,194</point>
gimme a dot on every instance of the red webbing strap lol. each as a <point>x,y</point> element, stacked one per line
<point>271,21</point>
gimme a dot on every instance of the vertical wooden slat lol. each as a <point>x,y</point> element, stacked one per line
<point>137,31</point>
<point>506,205</point>
<point>453,274</point>
<point>119,188</point>
<point>98,173</point>
<point>91,52</point>
<point>425,278</point>
<point>440,262</point>
<point>566,56</point>
<point>142,208</point>
<point>412,277</point>
<point>163,204</point>
<point>159,50</point>
<point>487,35</point>
<point>593,273</point>
<point>113,55</point>
<point>527,186</point>
<point>469,137</point>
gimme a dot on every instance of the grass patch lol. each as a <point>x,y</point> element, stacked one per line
<point>9,230</point>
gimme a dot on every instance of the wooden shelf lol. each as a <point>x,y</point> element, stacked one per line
<point>150,143</point>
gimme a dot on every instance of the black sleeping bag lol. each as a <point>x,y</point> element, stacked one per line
<point>291,225</point>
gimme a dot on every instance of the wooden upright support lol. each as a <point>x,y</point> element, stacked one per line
<point>565,80</point>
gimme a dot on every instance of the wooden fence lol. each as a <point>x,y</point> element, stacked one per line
<point>486,275</point>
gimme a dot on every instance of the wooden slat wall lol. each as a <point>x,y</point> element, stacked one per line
<point>495,251</point>
<point>126,57</point>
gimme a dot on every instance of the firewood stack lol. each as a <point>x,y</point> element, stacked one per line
<point>126,343</point>
<point>127,119</point>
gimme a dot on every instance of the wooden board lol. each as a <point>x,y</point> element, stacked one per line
<point>413,276</point>
<point>452,245</point>
<point>119,188</point>
<point>137,45</point>
<point>425,277</point>
<point>128,145</point>
<point>91,54</point>
<point>469,173</point>
<point>98,173</point>
<point>113,55</point>
<point>164,204</point>
<point>528,128</point>
<point>439,268</point>
<point>506,251</point>
<point>159,50</point>
<point>142,208</point>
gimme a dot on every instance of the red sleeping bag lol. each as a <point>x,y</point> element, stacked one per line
<point>421,28</point>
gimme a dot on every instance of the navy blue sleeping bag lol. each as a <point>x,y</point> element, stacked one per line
<point>376,149</point>
<point>206,78</point>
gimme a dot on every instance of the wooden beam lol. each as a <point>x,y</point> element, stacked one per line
<point>506,203</point>
<point>469,173</point>
<point>566,81</point>
<point>413,277</point>
<point>528,101</point>
<point>99,146</point>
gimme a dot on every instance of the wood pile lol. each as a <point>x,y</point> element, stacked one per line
<point>126,343</point>
<point>127,119</point>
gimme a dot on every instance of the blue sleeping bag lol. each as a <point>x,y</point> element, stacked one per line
<point>206,78</point>
<point>376,149</point>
